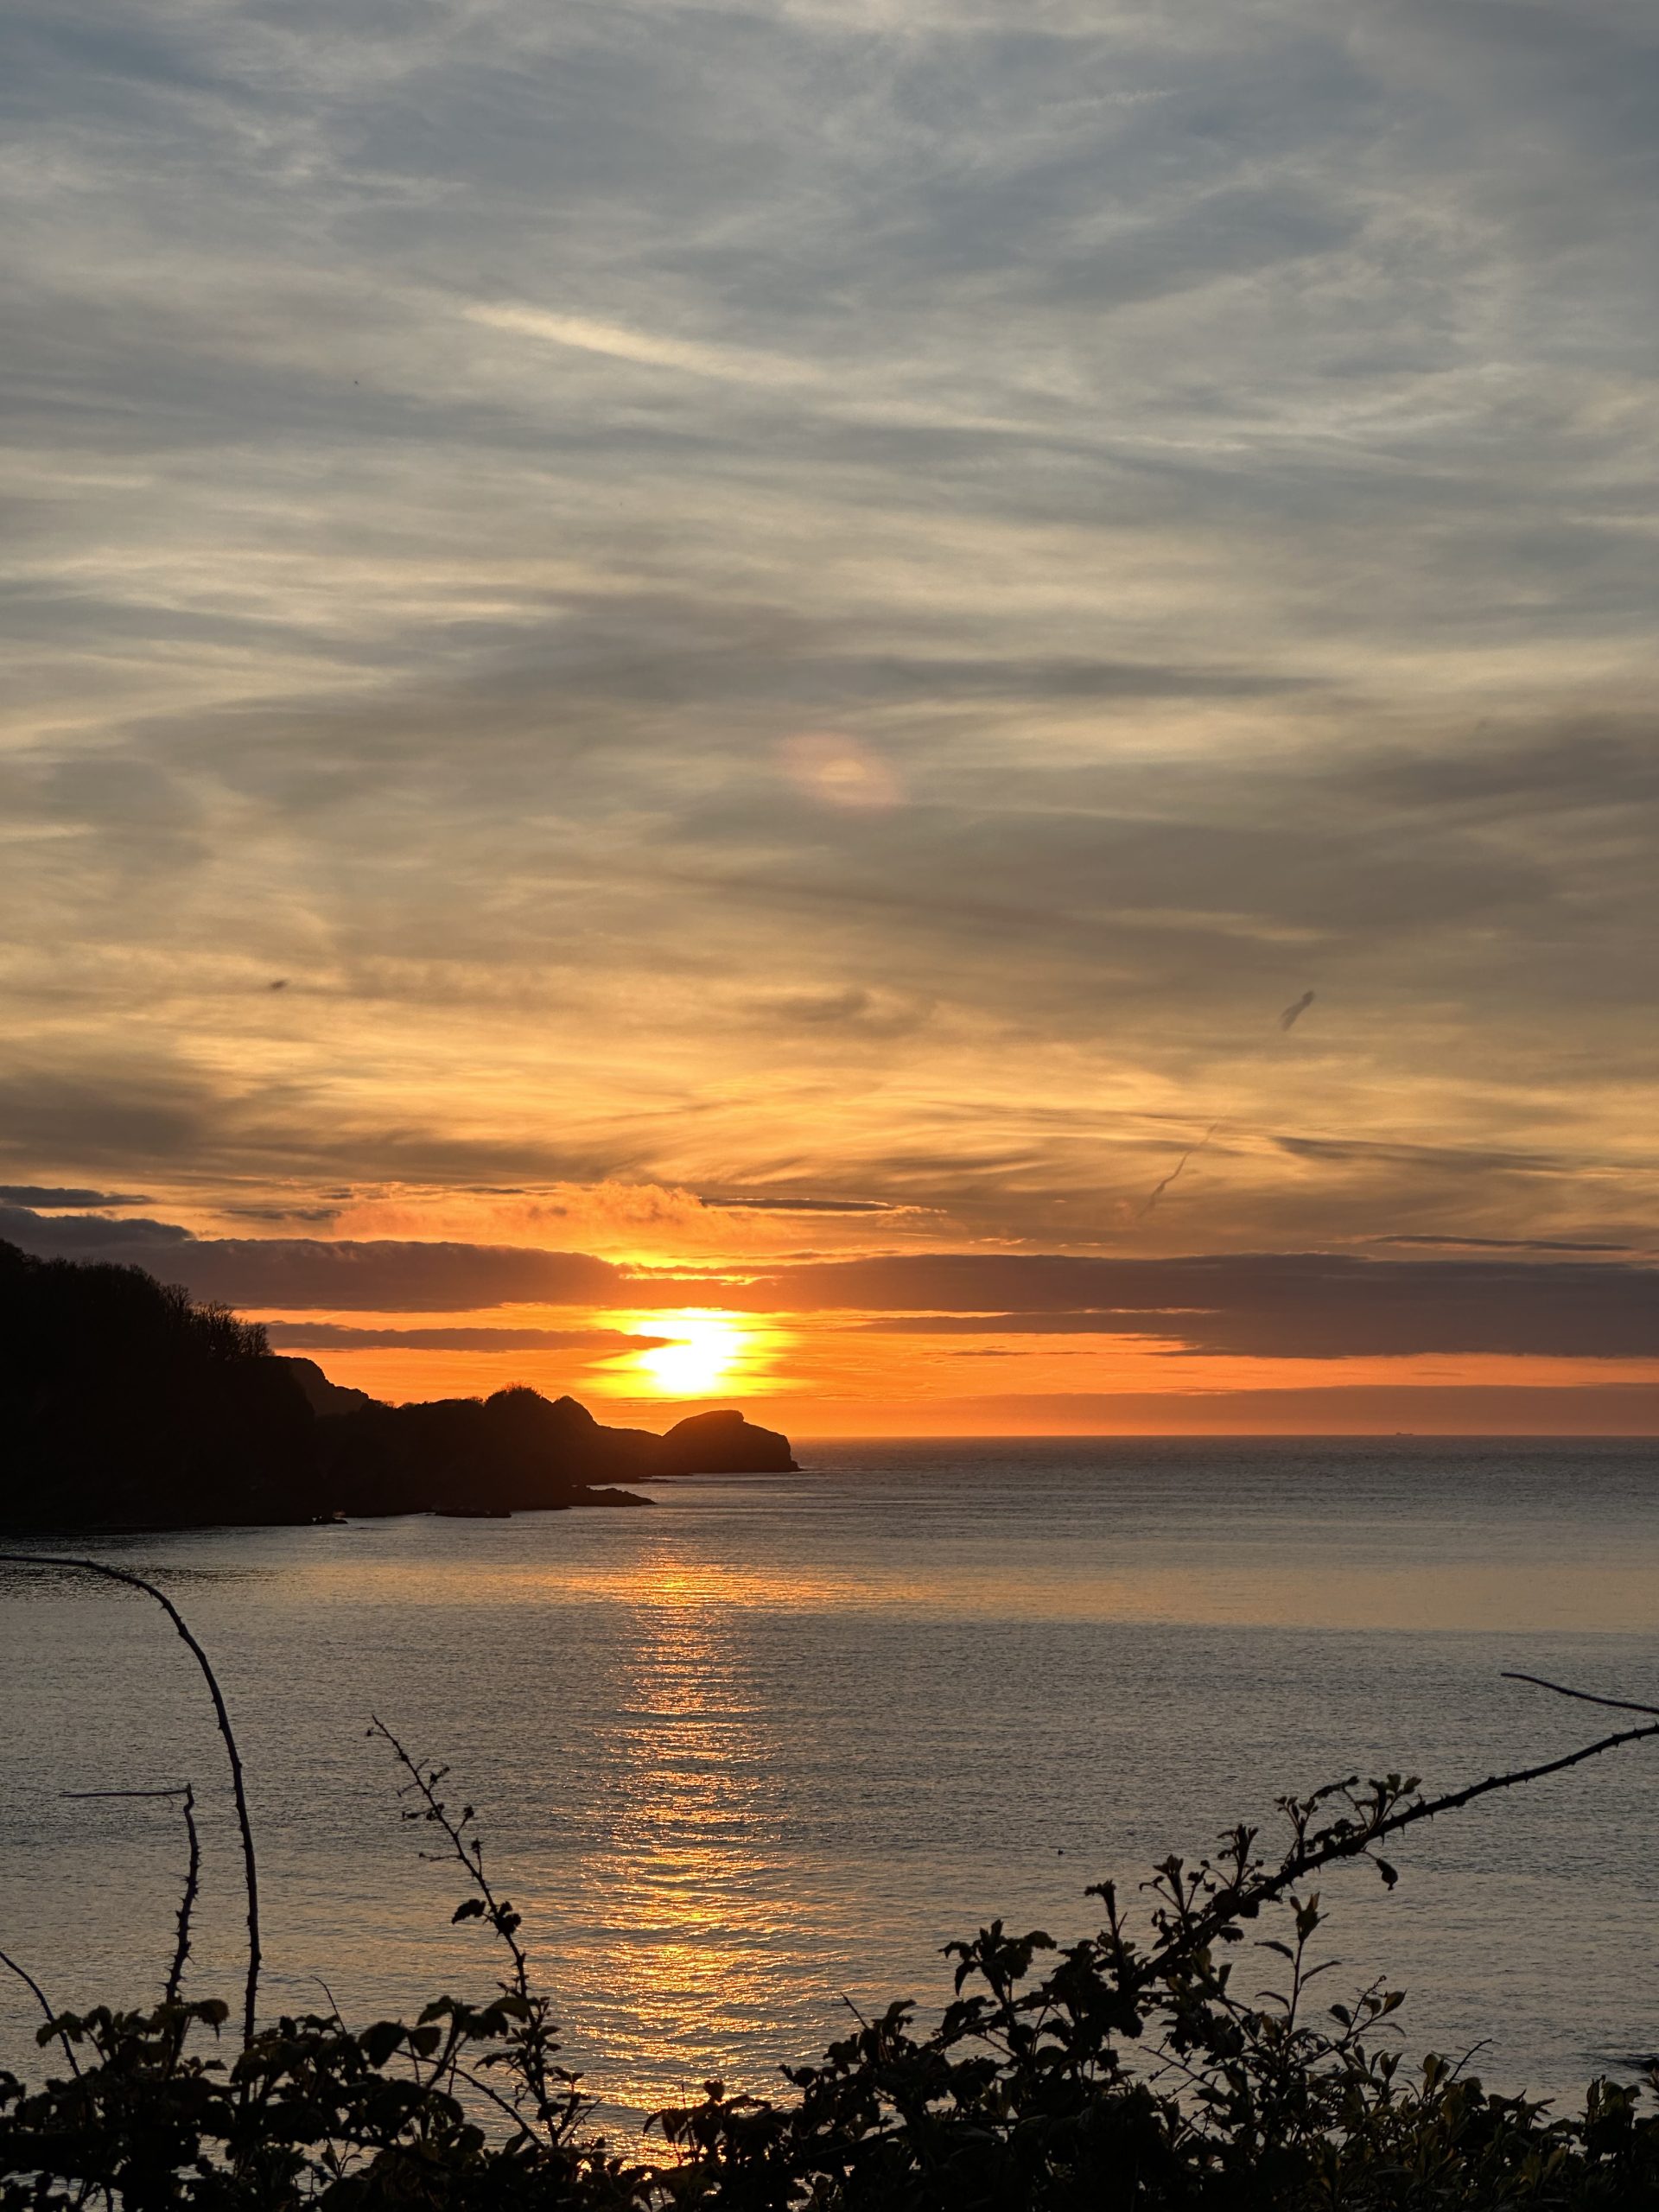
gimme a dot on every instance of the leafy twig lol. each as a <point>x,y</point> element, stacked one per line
<point>1188,1931</point>
<point>553,2091</point>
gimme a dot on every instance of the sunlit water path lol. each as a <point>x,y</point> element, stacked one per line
<point>761,1750</point>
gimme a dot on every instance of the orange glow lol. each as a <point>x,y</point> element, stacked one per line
<point>817,1374</point>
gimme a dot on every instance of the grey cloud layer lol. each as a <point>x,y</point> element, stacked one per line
<point>1293,1305</point>
<point>1203,453</point>
<point>1284,1306</point>
<point>382,1275</point>
<point>34,1196</point>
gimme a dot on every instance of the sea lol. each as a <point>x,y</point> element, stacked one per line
<point>746,1761</point>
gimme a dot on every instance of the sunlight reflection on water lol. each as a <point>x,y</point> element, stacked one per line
<point>765,1746</point>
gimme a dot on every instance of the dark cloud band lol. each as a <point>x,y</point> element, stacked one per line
<point>1277,1305</point>
<point>385,1276</point>
<point>52,1199</point>
<point>339,1336</point>
<point>1281,1305</point>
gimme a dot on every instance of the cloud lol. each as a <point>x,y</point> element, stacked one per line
<point>92,1236</point>
<point>1308,1306</point>
<point>1087,1321</point>
<point>36,1196</point>
<point>1274,1306</point>
<point>339,1336</point>
<point>861,1013</point>
<point>1585,764</point>
<point>384,1274</point>
<point>733,364</point>
<point>1500,1244</point>
<point>1203,455</point>
<point>127,1109</point>
<point>804,1206</point>
<point>1451,1160</point>
<point>388,1275</point>
<point>279,1211</point>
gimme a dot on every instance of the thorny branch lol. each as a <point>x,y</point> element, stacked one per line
<point>191,1874</point>
<point>250,1864</point>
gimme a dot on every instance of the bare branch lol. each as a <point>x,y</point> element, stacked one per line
<point>84,1796</point>
<point>1587,1697</point>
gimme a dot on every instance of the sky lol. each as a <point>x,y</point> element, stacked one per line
<point>933,716</point>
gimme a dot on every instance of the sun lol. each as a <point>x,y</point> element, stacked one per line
<point>706,1347</point>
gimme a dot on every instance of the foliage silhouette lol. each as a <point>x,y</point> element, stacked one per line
<point>123,1401</point>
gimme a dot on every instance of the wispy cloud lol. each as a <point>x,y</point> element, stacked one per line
<point>804,1206</point>
<point>727,363</point>
<point>478,496</point>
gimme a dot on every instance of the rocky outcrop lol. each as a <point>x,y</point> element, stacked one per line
<point>518,1452</point>
<point>725,1444</point>
<point>320,1394</point>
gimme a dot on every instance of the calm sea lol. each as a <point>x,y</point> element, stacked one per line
<point>753,1755</point>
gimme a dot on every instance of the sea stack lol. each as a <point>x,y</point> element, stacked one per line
<point>723,1443</point>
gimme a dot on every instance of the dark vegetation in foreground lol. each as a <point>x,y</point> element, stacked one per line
<point>1142,2068</point>
<point>124,1404</point>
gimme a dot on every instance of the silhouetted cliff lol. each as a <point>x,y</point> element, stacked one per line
<point>322,1397</point>
<point>518,1452</point>
<point>124,1404</point>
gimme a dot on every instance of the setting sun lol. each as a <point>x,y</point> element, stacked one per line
<point>705,1349</point>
